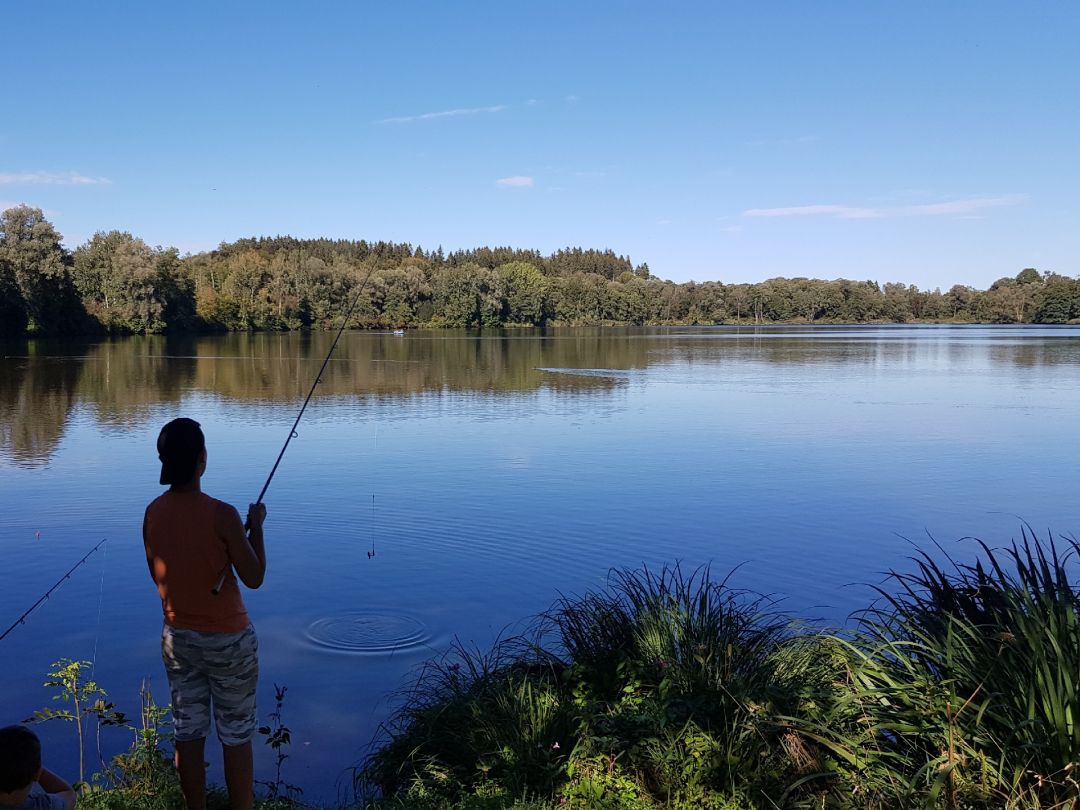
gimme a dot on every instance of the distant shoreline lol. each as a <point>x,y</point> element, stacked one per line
<point>117,284</point>
<point>98,334</point>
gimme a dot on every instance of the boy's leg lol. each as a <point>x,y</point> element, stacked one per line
<point>190,692</point>
<point>239,775</point>
<point>233,672</point>
<point>191,764</point>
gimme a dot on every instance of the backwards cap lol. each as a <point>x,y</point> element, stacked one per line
<point>179,445</point>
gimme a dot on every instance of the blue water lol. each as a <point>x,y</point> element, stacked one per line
<point>492,473</point>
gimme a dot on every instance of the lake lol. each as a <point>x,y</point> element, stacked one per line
<point>490,473</point>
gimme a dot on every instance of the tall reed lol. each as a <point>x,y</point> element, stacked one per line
<point>965,682</point>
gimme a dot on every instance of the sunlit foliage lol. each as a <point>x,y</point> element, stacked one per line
<point>115,282</point>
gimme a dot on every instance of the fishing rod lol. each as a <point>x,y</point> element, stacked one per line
<point>292,433</point>
<point>49,592</point>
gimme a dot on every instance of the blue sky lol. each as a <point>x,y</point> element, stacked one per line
<point>926,142</point>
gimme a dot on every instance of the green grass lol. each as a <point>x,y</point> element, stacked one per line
<point>965,686</point>
<point>661,689</point>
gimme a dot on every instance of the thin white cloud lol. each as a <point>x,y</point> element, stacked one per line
<point>572,99</point>
<point>516,181</point>
<point>408,119</point>
<point>968,206</point>
<point>50,179</point>
<point>841,211</point>
<point>961,207</point>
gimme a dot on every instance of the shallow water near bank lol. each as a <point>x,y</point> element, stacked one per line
<point>488,473</point>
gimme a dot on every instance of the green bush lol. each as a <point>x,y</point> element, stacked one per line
<point>477,721</point>
<point>965,685</point>
<point>958,689</point>
<point>665,688</point>
<point>676,678</point>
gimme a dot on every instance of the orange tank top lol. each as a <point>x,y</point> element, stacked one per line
<point>187,552</point>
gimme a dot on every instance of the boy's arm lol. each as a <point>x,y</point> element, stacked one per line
<point>54,785</point>
<point>146,546</point>
<point>246,550</point>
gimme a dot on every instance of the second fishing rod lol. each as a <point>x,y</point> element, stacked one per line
<point>292,431</point>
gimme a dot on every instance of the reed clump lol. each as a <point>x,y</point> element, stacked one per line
<point>965,683</point>
<point>959,688</point>
<point>661,689</point>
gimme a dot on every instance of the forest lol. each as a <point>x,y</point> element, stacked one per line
<point>117,283</point>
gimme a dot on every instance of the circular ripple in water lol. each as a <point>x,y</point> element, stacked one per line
<point>368,632</point>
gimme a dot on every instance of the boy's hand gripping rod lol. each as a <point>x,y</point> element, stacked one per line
<point>292,433</point>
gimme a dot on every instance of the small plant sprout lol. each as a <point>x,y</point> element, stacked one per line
<point>83,699</point>
<point>279,737</point>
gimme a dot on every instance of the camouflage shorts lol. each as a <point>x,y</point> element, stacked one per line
<point>212,668</point>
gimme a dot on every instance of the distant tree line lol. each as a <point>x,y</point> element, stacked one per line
<point>117,283</point>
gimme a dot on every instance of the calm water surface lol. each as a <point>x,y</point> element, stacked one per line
<point>491,473</point>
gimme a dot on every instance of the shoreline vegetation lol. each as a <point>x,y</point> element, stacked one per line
<point>117,284</point>
<point>670,688</point>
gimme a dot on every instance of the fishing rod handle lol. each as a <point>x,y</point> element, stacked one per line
<point>221,580</point>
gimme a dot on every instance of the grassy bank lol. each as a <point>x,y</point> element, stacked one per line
<point>959,688</point>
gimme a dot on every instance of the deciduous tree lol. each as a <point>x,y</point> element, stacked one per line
<point>34,262</point>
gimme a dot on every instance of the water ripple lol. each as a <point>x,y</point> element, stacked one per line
<point>368,632</point>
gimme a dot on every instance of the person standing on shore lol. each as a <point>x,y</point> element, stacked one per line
<point>208,644</point>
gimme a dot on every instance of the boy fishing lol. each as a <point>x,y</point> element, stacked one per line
<point>208,645</point>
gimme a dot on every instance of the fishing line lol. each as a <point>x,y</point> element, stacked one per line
<point>292,432</point>
<point>371,553</point>
<point>22,619</point>
<point>101,598</point>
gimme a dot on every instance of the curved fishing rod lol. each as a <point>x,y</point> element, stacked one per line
<point>292,432</point>
<point>49,592</point>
